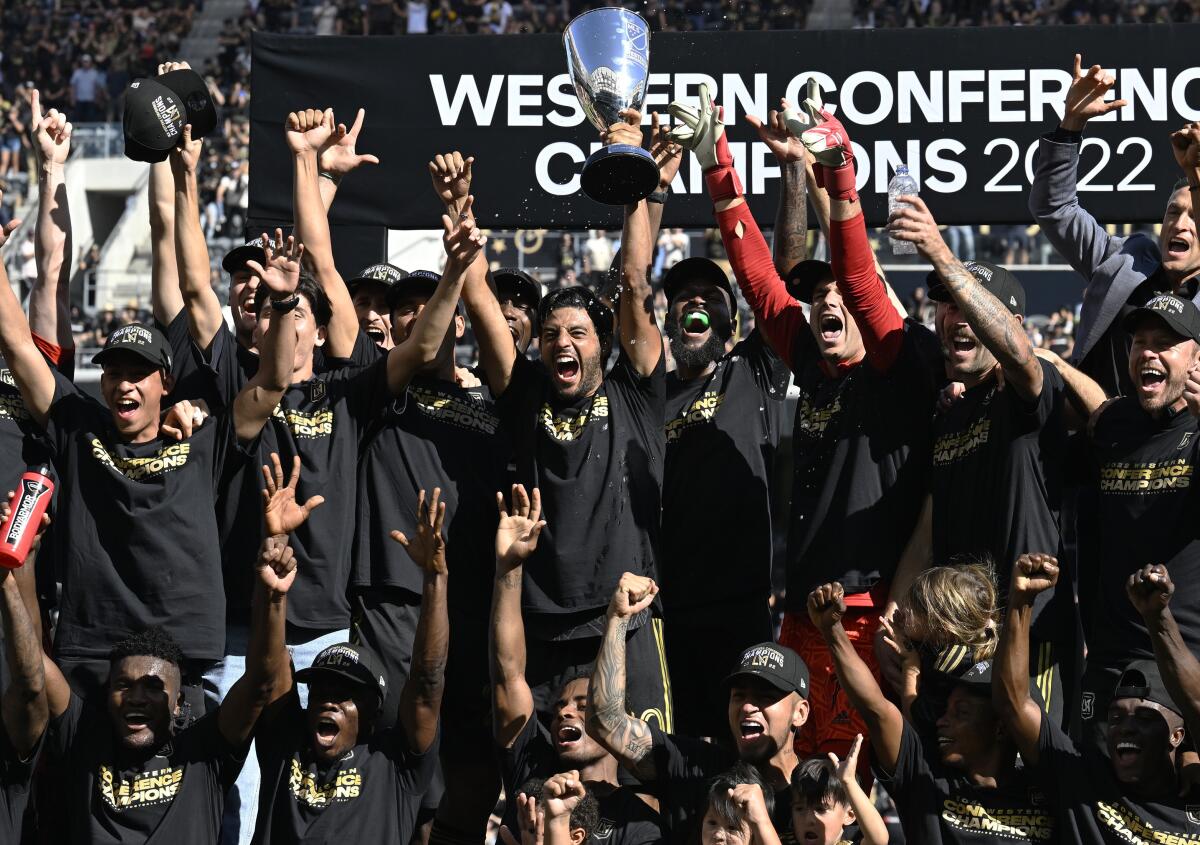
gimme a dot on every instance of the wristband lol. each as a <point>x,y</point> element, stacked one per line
<point>283,306</point>
<point>838,181</point>
<point>723,183</point>
<point>659,197</point>
<point>332,177</point>
<point>1062,135</point>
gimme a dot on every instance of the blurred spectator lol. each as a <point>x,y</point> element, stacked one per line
<point>325,18</point>
<point>496,14</point>
<point>88,91</point>
<point>417,17</point>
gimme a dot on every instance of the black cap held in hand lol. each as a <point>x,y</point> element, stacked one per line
<point>153,120</point>
<point>192,91</point>
<point>1181,315</point>
<point>776,664</point>
<point>139,339</point>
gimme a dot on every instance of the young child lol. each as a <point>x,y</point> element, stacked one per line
<point>826,799</point>
<point>739,810</point>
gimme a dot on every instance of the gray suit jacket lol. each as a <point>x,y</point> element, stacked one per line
<point>1113,267</point>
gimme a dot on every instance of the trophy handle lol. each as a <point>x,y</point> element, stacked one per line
<point>619,174</point>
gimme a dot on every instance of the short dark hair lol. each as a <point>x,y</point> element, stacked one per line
<point>152,642</point>
<point>816,783</point>
<point>718,792</point>
<point>578,297</point>
<point>585,816</point>
<point>310,290</point>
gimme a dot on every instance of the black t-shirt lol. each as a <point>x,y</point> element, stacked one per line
<point>599,464</point>
<point>683,767</point>
<point>860,446</point>
<point>1094,809</point>
<point>939,806</point>
<point>372,794</point>
<point>322,420</point>
<point>142,524</point>
<point>21,442</point>
<point>1149,512</point>
<point>722,431</point>
<point>436,435</point>
<point>997,477</point>
<point>625,819</point>
<point>175,797</point>
<point>1108,360</point>
<point>16,777</point>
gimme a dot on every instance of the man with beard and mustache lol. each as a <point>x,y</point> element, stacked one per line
<point>1143,454</point>
<point>593,442</point>
<point>1004,439</point>
<point>724,409</point>
<point>1129,788</point>
<point>866,379</point>
<point>767,704</point>
<point>1122,273</point>
<point>142,765</point>
<point>527,748</point>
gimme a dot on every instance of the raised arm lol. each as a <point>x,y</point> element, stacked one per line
<point>268,674</point>
<point>1150,589</point>
<point>24,704</point>
<point>608,721</point>
<point>850,252</point>
<point>421,698</point>
<point>668,156</point>
<point>50,299</point>
<point>338,158</point>
<point>191,250</point>
<point>451,175</point>
<point>1032,574</point>
<point>997,328</point>
<point>1053,199</point>
<point>870,823</point>
<point>29,369</point>
<point>255,402</point>
<point>1084,395</point>
<point>463,243</point>
<point>826,606</point>
<point>166,299</point>
<point>307,132</point>
<point>790,238</point>
<point>781,318</point>
<point>516,539</point>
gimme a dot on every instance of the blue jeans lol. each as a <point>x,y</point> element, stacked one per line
<point>241,804</point>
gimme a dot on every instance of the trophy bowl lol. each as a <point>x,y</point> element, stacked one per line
<point>608,57</point>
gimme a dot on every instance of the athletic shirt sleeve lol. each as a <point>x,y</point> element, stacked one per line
<point>780,318</point>
<point>860,286</point>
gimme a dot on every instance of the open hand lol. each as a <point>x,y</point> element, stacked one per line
<point>777,135</point>
<point>281,274</point>
<point>1085,97</point>
<point>337,155</point>
<point>667,154</point>
<point>427,548</point>
<point>281,512</point>
<point>844,770</point>
<point>701,129</point>
<point>518,531</point>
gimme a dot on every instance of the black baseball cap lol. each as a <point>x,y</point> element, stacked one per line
<point>1142,679</point>
<point>995,279</point>
<point>384,273</point>
<point>1181,315</point>
<point>237,257</point>
<point>804,277</point>
<point>519,283</point>
<point>140,339</point>
<point>421,282</point>
<point>776,664</point>
<point>355,663</point>
<point>156,110</point>
<point>696,269</point>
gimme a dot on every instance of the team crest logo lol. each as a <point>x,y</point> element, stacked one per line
<point>1089,705</point>
<point>316,391</point>
<point>1187,438</point>
<point>603,830</point>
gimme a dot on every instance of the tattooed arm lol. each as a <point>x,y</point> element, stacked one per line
<point>997,328</point>
<point>789,241</point>
<point>608,722</point>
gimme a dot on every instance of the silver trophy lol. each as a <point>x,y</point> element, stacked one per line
<point>608,56</point>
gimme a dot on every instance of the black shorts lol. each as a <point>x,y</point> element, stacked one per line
<point>703,645</point>
<point>550,664</point>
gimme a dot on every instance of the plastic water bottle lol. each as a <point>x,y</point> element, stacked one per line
<point>901,185</point>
